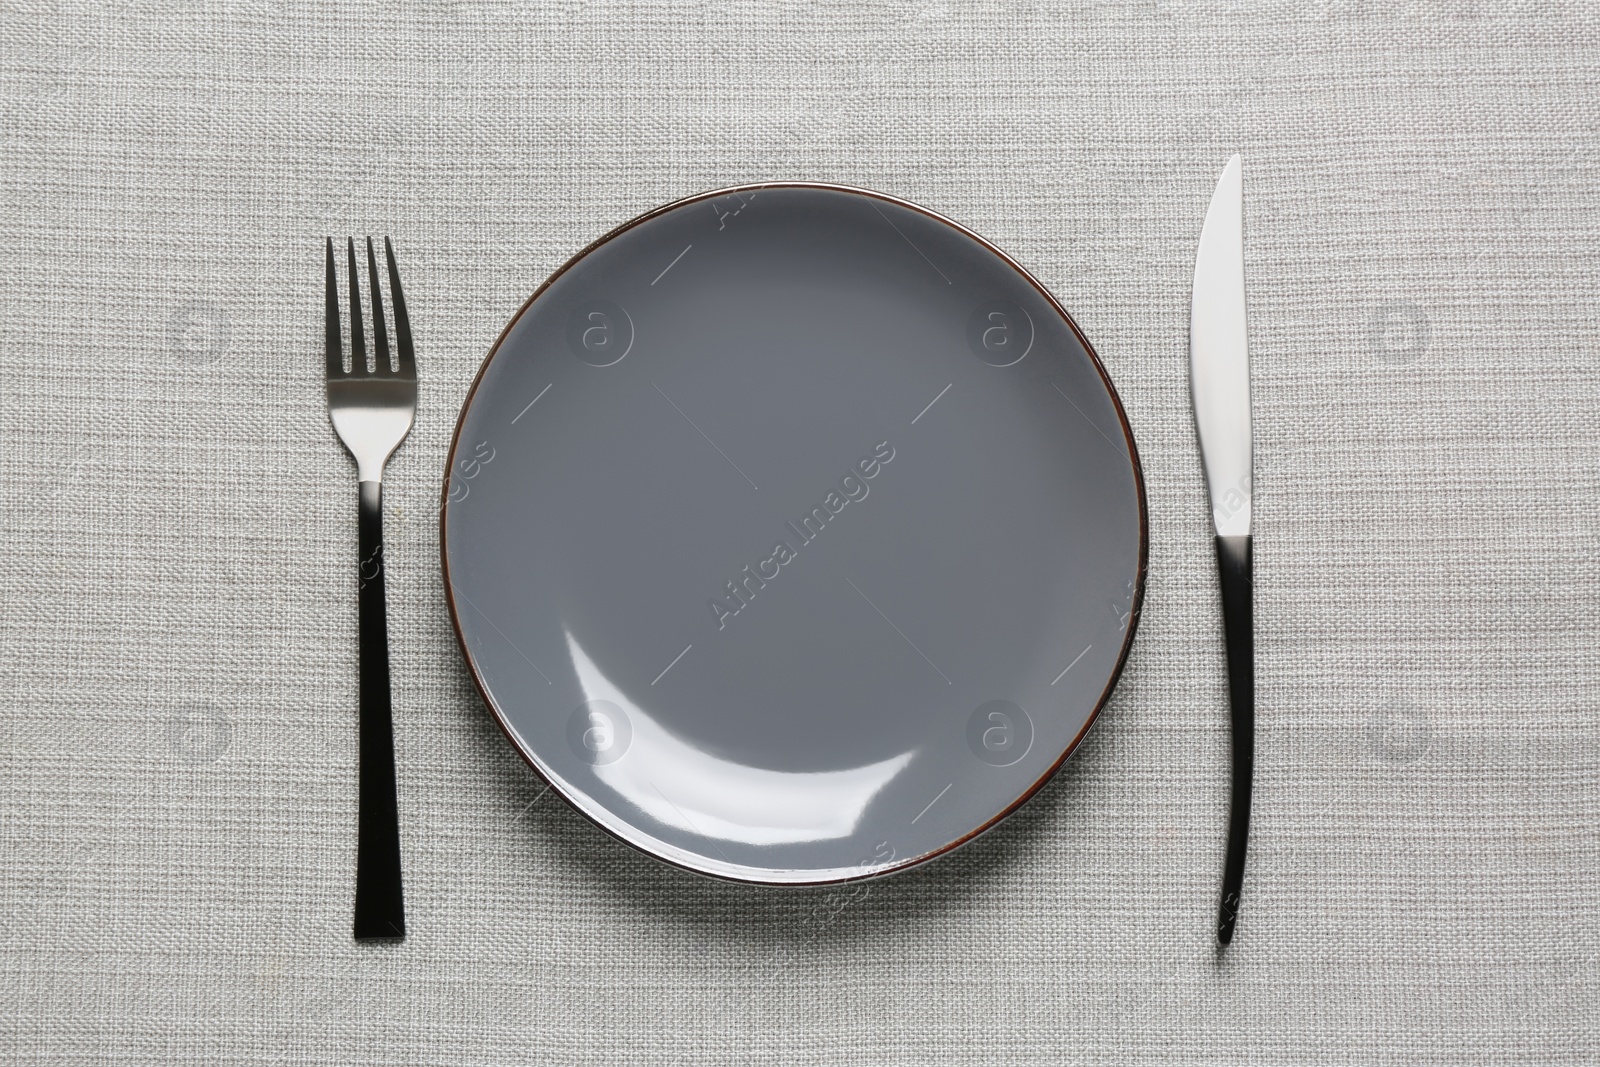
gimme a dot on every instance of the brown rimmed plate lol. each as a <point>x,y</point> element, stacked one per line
<point>793,533</point>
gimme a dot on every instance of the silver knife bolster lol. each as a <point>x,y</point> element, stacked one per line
<point>1230,505</point>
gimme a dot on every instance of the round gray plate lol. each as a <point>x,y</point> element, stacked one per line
<point>793,533</point>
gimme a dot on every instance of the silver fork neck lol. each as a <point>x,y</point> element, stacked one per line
<point>371,434</point>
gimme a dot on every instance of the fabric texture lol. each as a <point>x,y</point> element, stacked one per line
<point>177,626</point>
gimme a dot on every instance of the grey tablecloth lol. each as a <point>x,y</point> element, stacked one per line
<point>178,671</point>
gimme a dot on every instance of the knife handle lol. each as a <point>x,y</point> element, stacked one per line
<point>1234,569</point>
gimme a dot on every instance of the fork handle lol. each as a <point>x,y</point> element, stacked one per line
<point>380,907</point>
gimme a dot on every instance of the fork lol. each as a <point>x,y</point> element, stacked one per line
<point>372,411</point>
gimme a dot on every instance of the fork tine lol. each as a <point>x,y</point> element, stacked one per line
<point>402,324</point>
<point>380,336</point>
<point>331,339</point>
<point>358,340</point>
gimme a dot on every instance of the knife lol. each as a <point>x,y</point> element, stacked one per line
<point>1219,380</point>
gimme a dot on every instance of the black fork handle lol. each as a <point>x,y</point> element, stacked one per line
<point>380,906</point>
<point>1234,568</point>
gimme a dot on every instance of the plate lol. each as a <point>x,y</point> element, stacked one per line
<point>793,533</point>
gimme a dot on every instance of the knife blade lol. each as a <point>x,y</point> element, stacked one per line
<point>1219,382</point>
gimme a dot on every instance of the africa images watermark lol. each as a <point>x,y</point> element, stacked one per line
<point>198,331</point>
<point>1398,332</point>
<point>853,488</point>
<point>199,734</point>
<point>1399,733</point>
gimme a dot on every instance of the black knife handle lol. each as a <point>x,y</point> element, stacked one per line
<point>380,908</point>
<point>1234,568</point>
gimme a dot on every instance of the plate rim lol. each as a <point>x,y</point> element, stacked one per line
<point>1134,613</point>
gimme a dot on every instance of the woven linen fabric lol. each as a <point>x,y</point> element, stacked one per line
<point>177,579</point>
